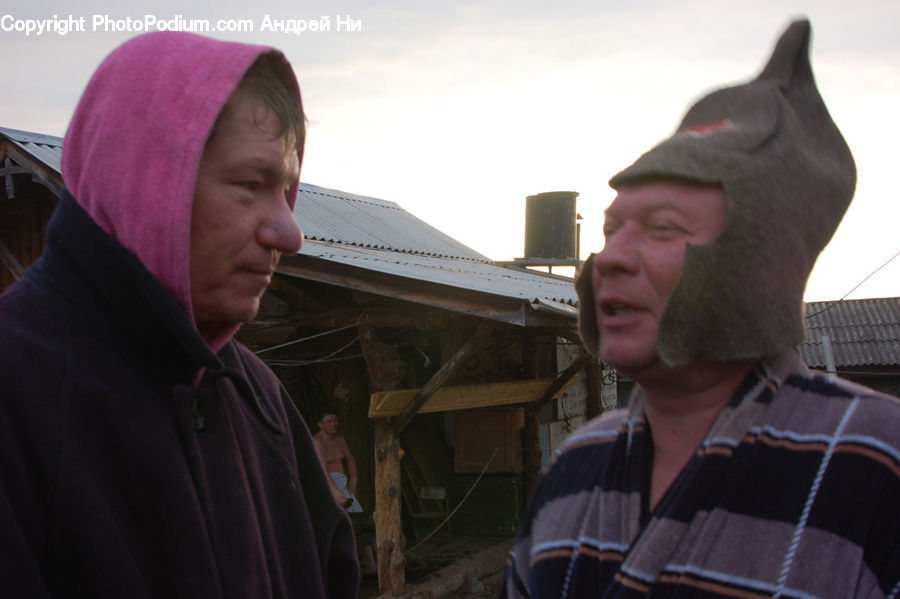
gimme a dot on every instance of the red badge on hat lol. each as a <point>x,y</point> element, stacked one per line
<point>709,128</point>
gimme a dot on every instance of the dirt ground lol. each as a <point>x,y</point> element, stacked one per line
<point>484,589</point>
<point>472,564</point>
<point>487,589</point>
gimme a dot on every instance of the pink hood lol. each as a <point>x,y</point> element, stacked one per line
<point>134,144</point>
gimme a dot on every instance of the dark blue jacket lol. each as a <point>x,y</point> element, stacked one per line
<point>119,477</point>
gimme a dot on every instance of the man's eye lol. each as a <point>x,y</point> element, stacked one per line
<point>663,227</point>
<point>250,185</point>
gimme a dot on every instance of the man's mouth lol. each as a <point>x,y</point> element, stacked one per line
<point>263,272</point>
<point>616,309</point>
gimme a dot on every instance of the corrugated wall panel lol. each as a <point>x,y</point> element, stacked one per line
<point>863,332</point>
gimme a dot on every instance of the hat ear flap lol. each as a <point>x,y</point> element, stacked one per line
<point>587,313</point>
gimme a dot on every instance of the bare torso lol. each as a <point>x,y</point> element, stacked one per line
<point>332,449</point>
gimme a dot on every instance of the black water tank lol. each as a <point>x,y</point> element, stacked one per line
<point>550,228</point>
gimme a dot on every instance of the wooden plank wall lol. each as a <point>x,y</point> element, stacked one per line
<point>23,223</point>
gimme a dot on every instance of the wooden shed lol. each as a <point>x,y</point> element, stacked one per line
<point>453,376</point>
<point>29,166</point>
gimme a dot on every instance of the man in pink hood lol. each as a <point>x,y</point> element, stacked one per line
<point>143,451</point>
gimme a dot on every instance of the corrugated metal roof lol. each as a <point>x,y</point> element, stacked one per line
<point>863,332</point>
<point>381,236</point>
<point>483,277</point>
<point>347,219</point>
<point>45,148</point>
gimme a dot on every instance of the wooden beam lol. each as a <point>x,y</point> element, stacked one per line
<point>460,397</point>
<point>461,301</point>
<point>443,374</point>
<point>448,581</point>
<point>562,380</point>
<point>570,335</point>
<point>8,260</point>
<point>40,172</point>
<point>6,171</point>
<point>388,316</point>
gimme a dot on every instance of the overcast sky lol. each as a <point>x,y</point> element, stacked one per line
<point>459,110</point>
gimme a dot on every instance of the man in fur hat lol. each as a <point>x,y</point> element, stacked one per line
<point>735,471</point>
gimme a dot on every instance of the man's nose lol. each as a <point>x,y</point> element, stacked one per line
<point>620,253</point>
<point>280,230</point>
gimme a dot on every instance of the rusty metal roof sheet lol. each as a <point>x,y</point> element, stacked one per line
<point>864,332</point>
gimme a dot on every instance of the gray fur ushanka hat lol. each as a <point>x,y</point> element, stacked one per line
<point>788,177</point>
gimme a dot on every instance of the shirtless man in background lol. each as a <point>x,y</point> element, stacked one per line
<point>334,455</point>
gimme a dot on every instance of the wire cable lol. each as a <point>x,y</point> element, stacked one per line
<point>869,276</point>
<point>322,334</point>
<point>459,505</point>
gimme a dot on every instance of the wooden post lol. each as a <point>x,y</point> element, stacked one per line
<point>386,372</point>
<point>531,432</point>
<point>594,407</point>
<point>389,540</point>
<point>531,449</point>
<point>531,440</point>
